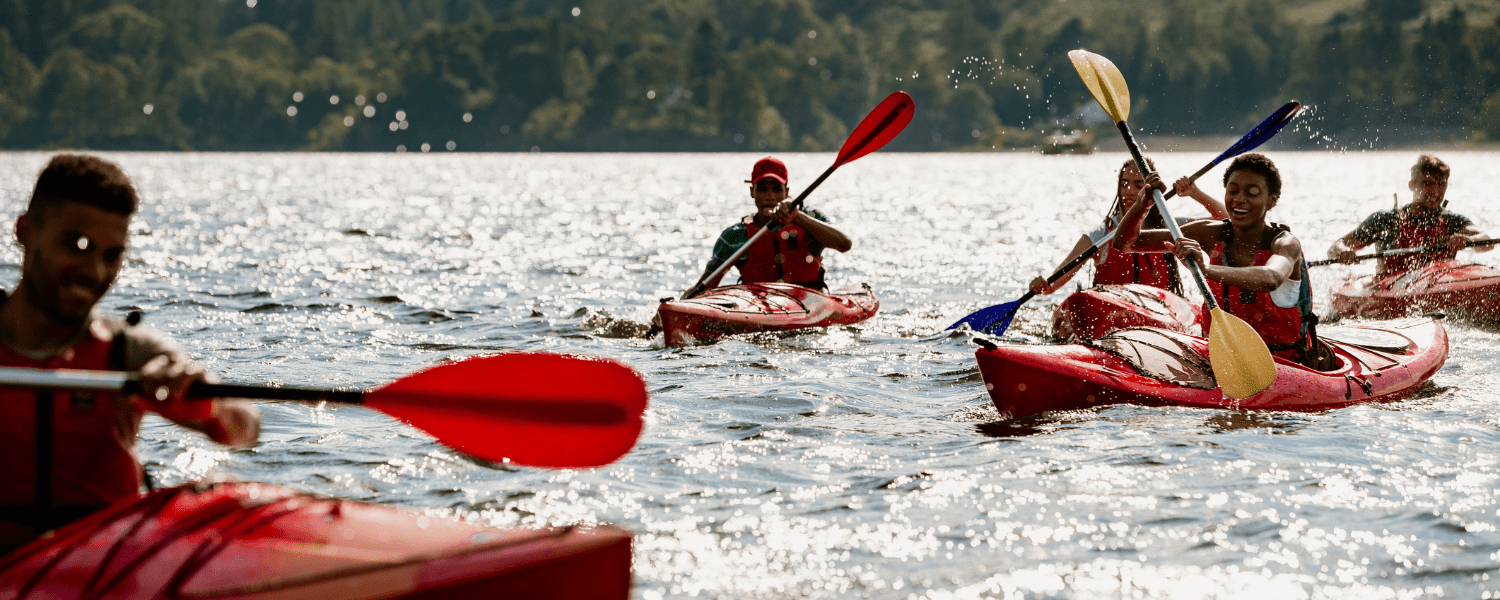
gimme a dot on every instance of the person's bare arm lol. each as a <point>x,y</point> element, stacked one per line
<point>1344,248</point>
<point>1214,206</point>
<point>1041,287</point>
<point>1469,234</point>
<point>1278,268</point>
<point>165,380</point>
<point>826,234</point>
<point>1131,237</point>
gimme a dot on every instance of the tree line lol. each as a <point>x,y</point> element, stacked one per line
<point>717,75</point>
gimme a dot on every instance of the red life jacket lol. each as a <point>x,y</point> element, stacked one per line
<point>1282,328</point>
<point>1156,270</point>
<point>782,256</point>
<point>65,454</point>
<point>1410,234</point>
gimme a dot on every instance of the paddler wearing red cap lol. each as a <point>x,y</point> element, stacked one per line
<point>793,250</point>
<point>66,454</point>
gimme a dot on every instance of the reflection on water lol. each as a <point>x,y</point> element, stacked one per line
<point>862,461</point>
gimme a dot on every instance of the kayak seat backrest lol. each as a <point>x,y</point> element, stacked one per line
<point>1160,355</point>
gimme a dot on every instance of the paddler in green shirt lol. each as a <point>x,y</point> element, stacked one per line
<point>1424,222</point>
<point>792,252</point>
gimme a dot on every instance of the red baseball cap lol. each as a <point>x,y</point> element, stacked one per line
<point>768,167</point>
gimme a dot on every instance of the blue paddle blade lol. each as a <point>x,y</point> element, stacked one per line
<point>1266,130</point>
<point>993,320</point>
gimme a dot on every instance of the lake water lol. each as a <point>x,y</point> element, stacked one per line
<point>861,461</point>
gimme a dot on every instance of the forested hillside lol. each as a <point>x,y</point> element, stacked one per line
<point>611,75</point>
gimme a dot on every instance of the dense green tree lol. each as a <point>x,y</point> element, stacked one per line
<point>762,75</point>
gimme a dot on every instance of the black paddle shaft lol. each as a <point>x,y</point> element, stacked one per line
<point>206,391</point>
<point>1403,251</point>
<point>1161,205</point>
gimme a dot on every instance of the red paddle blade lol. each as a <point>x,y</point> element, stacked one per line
<point>879,127</point>
<point>544,410</point>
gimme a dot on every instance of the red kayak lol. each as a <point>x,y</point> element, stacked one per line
<point>753,307</point>
<point>1460,288</point>
<point>1156,367</point>
<point>252,541</point>
<point>1090,314</point>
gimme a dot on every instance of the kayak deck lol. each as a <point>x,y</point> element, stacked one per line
<point>1092,313</point>
<point>1458,288</point>
<point>749,308</point>
<point>254,541</point>
<point>1156,367</point>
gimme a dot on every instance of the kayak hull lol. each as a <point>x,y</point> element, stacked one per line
<point>259,542</point>
<point>1025,380</point>
<point>1454,287</point>
<point>1092,313</point>
<point>754,307</point>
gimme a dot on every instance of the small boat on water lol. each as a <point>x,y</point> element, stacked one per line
<point>1092,313</point>
<point>1156,367</point>
<point>1454,287</point>
<point>1069,141</point>
<point>249,541</point>
<point>753,307</point>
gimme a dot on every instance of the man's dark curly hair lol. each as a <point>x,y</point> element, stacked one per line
<point>84,179</point>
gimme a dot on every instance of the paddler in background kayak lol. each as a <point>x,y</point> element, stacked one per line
<point>1423,222</point>
<point>793,251</point>
<point>1254,268</point>
<point>1116,268</point>
<point>64,455</point>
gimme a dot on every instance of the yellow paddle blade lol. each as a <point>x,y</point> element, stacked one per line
<point>1104,81</point>
<point>1242,363</point>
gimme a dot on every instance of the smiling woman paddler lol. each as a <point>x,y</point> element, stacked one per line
<point>1254,267</point>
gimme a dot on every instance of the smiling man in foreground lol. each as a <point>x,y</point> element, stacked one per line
<point>66,454</point>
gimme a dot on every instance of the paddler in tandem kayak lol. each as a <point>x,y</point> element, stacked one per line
<point>792,252</point>
<point>64,455</point>
<point>1117,268</point>
<point>1423,222</point>
<point>1254,268</point>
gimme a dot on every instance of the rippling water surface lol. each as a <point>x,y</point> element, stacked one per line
<point>862,461</point>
